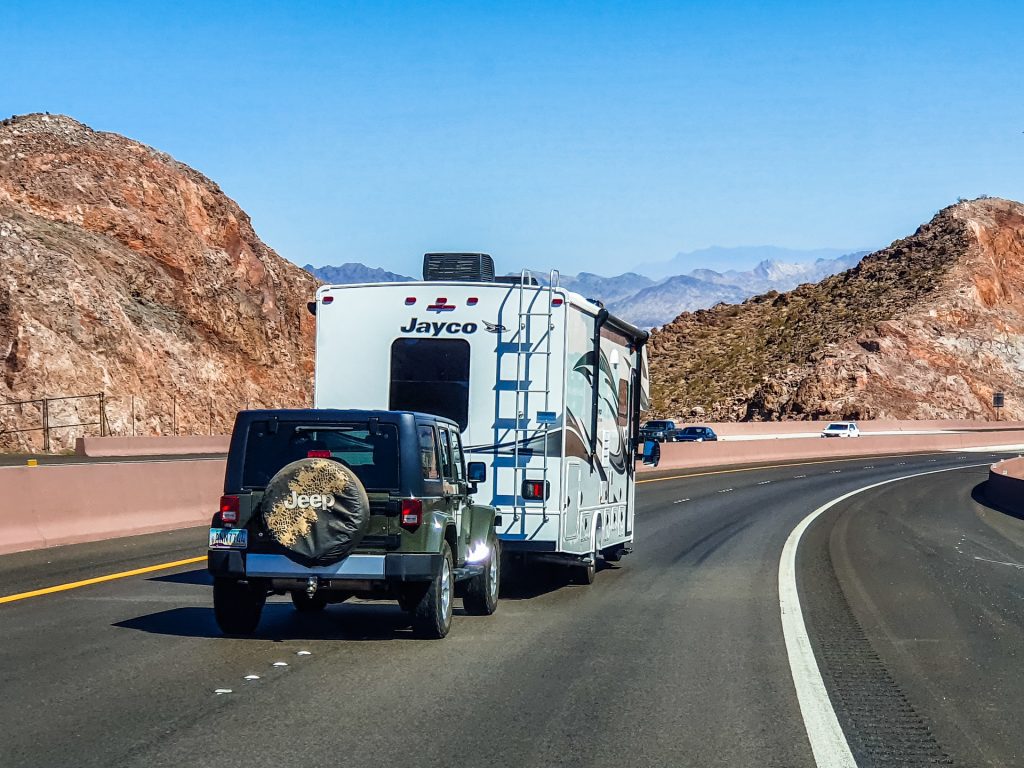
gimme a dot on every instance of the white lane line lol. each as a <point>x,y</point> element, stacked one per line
<point>828,742</point>
<point>835,471</point>
<point>999,562</point>
<point>764,482</point>
<point>680,501</point>
<point>725,490</point>
<point>797,477</point>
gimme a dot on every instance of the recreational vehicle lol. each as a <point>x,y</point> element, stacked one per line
<point>546,385</point>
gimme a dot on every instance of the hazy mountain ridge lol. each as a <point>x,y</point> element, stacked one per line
<point>353,272</point>
<point>642,300</point>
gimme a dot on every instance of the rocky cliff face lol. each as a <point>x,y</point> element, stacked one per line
<point>126,272</point>
<point>929,327</point>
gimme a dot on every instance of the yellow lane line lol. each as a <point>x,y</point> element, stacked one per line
<point>780,466</point>
<point>100,579</point>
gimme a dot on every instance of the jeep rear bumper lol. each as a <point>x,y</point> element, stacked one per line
<point>396,567</point>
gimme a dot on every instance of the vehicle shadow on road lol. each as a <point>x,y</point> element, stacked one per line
<point>280,621</point>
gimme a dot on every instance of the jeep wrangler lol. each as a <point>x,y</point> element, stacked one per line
<point>329,504</point>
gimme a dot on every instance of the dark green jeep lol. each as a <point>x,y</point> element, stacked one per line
<point>330,504</point>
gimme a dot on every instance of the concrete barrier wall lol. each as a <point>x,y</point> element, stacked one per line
<point>689,455</point>
<point>1005,486</point>
<point>71,503</point>
<point>181,445</point>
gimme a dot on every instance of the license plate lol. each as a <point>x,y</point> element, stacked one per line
<point>229,537</point>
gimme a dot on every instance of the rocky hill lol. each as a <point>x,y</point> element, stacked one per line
<point>127,272</point>
<point>929,327</point>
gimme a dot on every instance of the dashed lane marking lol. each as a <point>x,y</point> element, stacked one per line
<point>764,482</point>
<point>828,742</point>
<point>100,579</point>
<point>679,501</point>
<point>725,490</point>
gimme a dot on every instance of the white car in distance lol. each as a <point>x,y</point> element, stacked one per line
<point>841,429</point>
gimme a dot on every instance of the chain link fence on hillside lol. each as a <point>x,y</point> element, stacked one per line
<point>52,424</point>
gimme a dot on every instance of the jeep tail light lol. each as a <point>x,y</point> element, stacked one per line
<point>535,490</point>
<point>411,514</point>
<point>229,509</point>
<point>318,454</point>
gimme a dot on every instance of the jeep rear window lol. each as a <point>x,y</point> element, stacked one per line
<point>431,376</point>
<point>373,457</point>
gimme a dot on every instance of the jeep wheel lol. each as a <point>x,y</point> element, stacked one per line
<point>305,604</point>
<point>237,606</point>
<point>481,597</point>
<point>432,616</point>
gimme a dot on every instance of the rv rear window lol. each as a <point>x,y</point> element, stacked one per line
<point>431,376</point>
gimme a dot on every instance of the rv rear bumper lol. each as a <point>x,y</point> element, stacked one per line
<point>526,545</point>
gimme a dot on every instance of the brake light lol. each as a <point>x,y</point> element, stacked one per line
<point>318,454</point>
<point>472,301</point>
<point>556,302</point>
<point>229,509</point>
<point>327,299</point>
<point>411,515</point>
<point>410,300</point>
<point>535,490</point>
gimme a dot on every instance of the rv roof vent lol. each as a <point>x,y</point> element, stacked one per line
<point>472,267</point>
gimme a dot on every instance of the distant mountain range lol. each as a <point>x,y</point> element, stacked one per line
<point>650,302</point>
<point>736,258</point>
<point>354,272</point>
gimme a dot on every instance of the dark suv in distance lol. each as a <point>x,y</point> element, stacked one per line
<point>695,435</point>
<point>662,430</point>
<point>325,505</point>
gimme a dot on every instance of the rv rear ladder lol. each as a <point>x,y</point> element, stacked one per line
<point>524,351</point>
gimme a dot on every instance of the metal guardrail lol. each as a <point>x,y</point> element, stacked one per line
<point>153,415</point>
<point>46,426</point>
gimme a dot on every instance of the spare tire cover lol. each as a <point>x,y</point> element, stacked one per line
<point>317,510</point>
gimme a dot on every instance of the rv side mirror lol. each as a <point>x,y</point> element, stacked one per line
<point>476,471</point>
<point>652,453</point>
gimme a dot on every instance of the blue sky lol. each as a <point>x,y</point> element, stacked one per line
<point>584,136</point>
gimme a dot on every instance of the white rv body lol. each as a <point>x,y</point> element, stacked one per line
<point>516,365</point>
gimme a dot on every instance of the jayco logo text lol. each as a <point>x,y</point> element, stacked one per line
<point>436,329</point>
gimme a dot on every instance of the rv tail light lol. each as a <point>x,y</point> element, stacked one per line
<point>411,514</point>
<point>229,509</point>
<point>318,454</point>
<point>556,302</point>
<point>472,301</point>
<point>535,490</point>
<point>410,300</point>
<point>327,299</point>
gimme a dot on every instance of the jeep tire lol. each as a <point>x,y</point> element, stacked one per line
<point>237,605</point>
<point>481,598</point>
<point>432,616</point>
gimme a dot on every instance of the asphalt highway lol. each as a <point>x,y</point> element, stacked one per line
<point>675,657</point>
